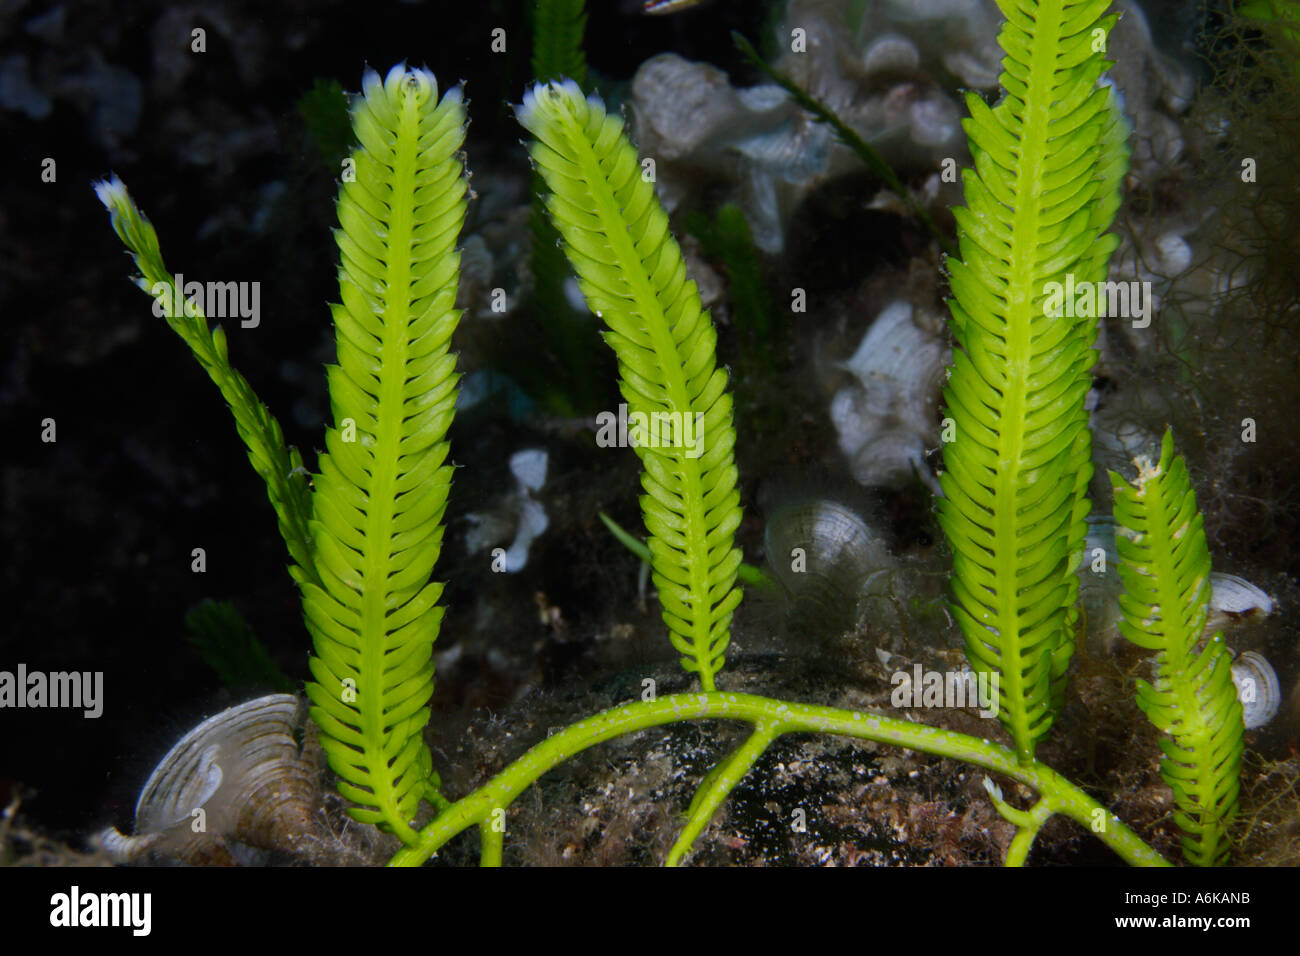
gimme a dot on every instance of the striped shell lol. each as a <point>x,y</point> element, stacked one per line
<point>243,769</point>
<point>1237,595</point>
<point>825,556</point>
<point>1257,689</point>
<point>886,419</point>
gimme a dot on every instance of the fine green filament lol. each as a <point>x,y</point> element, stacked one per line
<point>280,466</point>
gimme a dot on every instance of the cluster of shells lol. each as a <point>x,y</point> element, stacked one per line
<point>892,70</point>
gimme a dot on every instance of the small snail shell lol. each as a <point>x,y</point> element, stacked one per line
<point>825,556</point>
<point>243,769</point>
<point>1257,689</point>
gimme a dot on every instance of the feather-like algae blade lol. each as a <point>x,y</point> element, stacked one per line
<point>1165,569</point>
<point>632,273</point>
<point>1042,192</point>
<point>382,489</point>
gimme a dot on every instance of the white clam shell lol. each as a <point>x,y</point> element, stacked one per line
<point>890,52</point>
<point>886,420</point>
<point>1257,689</point>
<point>1237,595</point>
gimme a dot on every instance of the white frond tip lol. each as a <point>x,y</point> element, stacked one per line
<point>112,193</point>
<point>559,94</point>
<point>994,790</point>
<point>372,87</point>
<point>420,84</point>
<point>403,81</point>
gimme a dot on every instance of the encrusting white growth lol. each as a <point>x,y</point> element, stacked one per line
<point>519,508</point>
<point>529,468</point>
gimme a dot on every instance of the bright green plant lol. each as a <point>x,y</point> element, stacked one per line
<point>1049,158</point>
<point>633,276</point>
<point>1165,567</point>
<point>569,376</point>
<point>365,537</point>
<point>379,498</point>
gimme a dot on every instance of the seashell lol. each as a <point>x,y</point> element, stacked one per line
<point>764,204</point>
<point>763,97</point>
<point>935,121</point>
<point>793,152</point>
<point>244,771</point>
<point>681,106</point>
<point>976,70</point>
<point>900,365</point>
<point>890,53</point>
<point>891,458</point>
<point>1235,595</point>
<point>1257,689</point>
<point>854,422</point>
<point>886,421</point>
<point>825,556</point>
